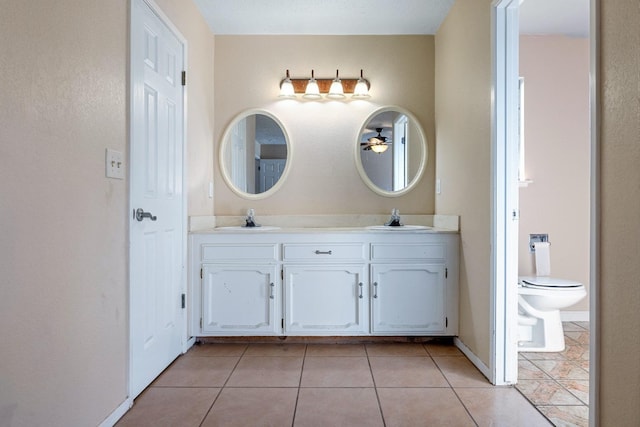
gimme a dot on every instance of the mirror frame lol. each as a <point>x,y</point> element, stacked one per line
<point>224,171</point>
<point>423,160</point>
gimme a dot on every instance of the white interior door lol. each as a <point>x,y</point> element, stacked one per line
<point>269,172</point>
<point>156,173</point>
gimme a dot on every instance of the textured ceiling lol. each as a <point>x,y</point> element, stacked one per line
<point>324,17</point>
<point>375,17</point>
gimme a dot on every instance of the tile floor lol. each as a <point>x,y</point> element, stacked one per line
<point>381,384</point>
<point>558,383</point>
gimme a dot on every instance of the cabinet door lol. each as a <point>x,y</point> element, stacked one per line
<point>239,300</point>
<point>321,299</point>
<point>408,298</point>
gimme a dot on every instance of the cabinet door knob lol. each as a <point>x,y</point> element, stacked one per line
<point>375,289</point>
<point>360,284</point>
<point>318,252</point>
<point>271,290</point>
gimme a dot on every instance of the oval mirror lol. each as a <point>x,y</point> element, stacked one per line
<point>391,151</point>
<point>255,154</point>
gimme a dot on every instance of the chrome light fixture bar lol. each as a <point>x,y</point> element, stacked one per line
<point>332,88</point>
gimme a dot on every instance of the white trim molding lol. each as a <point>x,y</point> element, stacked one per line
<point>115,416</point>
<point>484,369</point>
<point>504,196</point>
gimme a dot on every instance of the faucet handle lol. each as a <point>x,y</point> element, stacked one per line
<point>250,220</point>
<point>394,221</point>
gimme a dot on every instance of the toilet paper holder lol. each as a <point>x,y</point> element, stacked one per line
<point>535,238</point>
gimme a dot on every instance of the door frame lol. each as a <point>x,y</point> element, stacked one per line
<point>594,250</point>
<point>186,340</point>
<point>501,355</point>
<point>504,194</point>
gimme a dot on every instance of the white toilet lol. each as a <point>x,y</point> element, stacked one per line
<point>540,299</point>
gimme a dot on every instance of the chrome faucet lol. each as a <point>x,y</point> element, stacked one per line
<point>394,221</point>
<point>250,219</point>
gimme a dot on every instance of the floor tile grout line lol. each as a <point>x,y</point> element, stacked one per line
<point>455,392</point>
<point>375,386</point>
<point>224,385</point>
<point>295,407</point>
<point>534,406</point>
<point>554,376</point>
<point>557,381</point>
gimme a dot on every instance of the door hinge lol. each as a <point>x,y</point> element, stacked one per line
<point>446,272</point>
<point>184,300</point>
<point>282,323</point>
<point>282,274</point>
<point>201,273</point>
<point>184,78</point>
<point>201,323</point>
<point>446,322</point>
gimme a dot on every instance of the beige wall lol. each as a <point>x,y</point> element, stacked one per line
<point>323,177</point>
<point>463,146</point>
<point>619,207</point>
<point>557,155</point>
<point>63,225</point>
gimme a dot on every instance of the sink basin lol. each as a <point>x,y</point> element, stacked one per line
<point>399,228</point>
<point>243,228</point>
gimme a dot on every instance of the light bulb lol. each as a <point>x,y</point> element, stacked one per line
<point>312,91</point>
<point>286,88</point>
<point>336,91</point>
<point>379,148</point>
<point>361,90</point>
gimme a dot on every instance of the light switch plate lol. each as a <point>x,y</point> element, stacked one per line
<point>114,164</point>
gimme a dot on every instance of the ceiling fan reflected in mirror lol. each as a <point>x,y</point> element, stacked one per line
<point>378,143</point>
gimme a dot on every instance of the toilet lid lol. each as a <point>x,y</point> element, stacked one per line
<point>548,282</point>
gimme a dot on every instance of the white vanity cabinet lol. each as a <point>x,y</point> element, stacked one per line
<point>239,288</point>
<point>324,288</point>
<point>318,282</point>
<point>239,299</point>
<point>414,285</point>
<point>408,299</point>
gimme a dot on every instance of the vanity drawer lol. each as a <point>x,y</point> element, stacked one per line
<point>265,252</point>
<point>324,252</point>
<point>408,251</point>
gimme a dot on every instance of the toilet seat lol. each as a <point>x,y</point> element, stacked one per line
<point>545,282</point>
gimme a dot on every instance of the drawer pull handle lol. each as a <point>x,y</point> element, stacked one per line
<point>375,289</point>
<point>318,252</point>
<point>360,284</point>
<point>271,290</point>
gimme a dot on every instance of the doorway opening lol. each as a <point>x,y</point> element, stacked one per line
<point>506,203</point>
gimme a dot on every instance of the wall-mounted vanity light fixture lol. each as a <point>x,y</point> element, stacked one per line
<point>335,88</point>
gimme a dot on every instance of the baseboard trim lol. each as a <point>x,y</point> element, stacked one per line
<point>574,316</point>
<point>113,418</point>
<point>473,358</point>
<point>188,344</point>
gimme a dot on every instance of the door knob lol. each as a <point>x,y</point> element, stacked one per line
<point>140,215</point>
